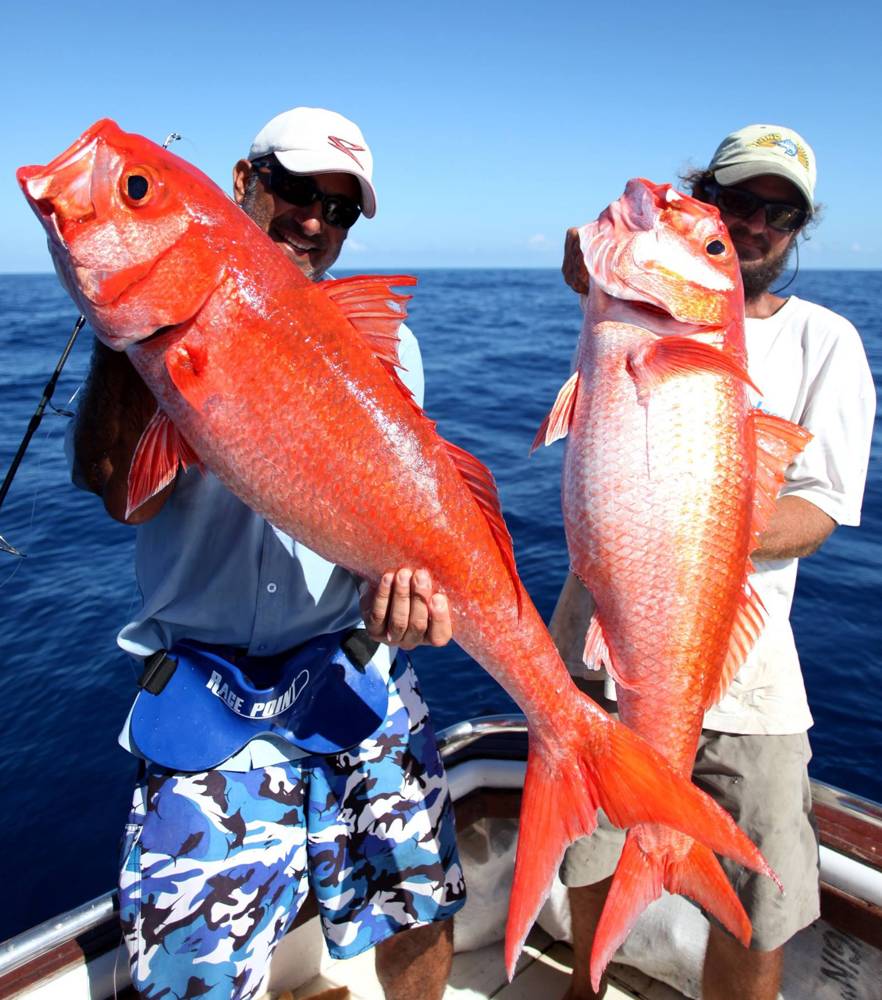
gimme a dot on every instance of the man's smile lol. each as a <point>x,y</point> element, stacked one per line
<point>293,242</point>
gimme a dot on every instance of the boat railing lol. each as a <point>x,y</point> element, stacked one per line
<point>502,737</point>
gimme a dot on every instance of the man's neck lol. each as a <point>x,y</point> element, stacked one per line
<point>763,306</point>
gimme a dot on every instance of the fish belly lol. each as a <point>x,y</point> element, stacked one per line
<point>657,512</point>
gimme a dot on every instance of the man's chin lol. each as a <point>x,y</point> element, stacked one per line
<point>758,275</point>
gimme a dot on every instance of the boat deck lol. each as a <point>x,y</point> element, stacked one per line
<point>821,962</point>
<point>543,971</point>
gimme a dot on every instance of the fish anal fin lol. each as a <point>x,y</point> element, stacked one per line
<point>597,654</point>
<point>650,365</point>
<point>778,442</point>
<point>750,617</point>
<point>159,453</point>
<point>557,424</point>
<point>482,485</point>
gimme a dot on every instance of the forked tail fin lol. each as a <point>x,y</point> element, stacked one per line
<point>639,879</point>
<point>600,762</point>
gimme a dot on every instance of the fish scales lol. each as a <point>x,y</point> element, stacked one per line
<point>661,487</point>
<point>286,390</point>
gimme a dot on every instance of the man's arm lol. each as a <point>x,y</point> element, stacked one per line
<point>115,406</point>
<point>798,528</point>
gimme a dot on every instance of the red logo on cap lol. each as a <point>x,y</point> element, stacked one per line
<point>346,147</point>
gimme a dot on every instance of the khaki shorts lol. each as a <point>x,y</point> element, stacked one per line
<point>763,782</point>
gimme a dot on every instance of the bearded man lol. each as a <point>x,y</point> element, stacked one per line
<point>754,750</point>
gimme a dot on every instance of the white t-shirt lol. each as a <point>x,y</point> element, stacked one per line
<point>811,367</point>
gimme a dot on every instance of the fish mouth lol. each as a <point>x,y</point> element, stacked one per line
<point>653,309</point>
<point>159,333</point>
<point>160,338</point>
<point>60,192</point>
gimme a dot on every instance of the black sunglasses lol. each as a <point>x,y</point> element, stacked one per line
<point>780,215</point>
<point>302,190</point>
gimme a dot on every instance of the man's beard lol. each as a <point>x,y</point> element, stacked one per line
<point>758,275</point>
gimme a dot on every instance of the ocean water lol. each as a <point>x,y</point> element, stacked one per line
<point>496,347</point>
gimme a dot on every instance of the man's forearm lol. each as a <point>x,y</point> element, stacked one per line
<point>115,407</point>
<point>797,529</point>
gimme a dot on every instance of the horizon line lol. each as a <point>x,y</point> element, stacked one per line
<point>395,269</point>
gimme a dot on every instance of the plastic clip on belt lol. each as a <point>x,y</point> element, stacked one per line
<point>195,708</point>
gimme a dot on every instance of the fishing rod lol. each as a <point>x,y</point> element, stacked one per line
<point>34,422</point>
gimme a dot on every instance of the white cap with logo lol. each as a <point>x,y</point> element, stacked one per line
<point>316,141</point>
<point>766,149</point>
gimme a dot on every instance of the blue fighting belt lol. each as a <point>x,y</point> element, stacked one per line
<point>196,708</point>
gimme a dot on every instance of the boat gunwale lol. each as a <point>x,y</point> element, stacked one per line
<point>92,929</point>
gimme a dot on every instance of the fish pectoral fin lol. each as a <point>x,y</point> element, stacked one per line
<point>557,424</point>
<point>186,364</point>
<point>652,364</point>
<point>596,654</point>
<point>160,451</point>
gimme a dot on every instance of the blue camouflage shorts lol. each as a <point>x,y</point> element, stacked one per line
<point>217,864</point>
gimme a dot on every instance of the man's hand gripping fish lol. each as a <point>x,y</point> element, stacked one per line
<point>287,391</point>
<point>669,479</point>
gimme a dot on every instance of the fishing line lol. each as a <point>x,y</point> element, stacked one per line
<point>45,400</point>
<point>34,423</point>
<point>778,291</point>
<point>42,453</point>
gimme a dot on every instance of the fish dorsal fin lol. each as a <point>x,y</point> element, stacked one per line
<point>480,481</point>
<point>376,311</point>
<point>557,424</point>
<point>160,451</point>
<point>778,442</point>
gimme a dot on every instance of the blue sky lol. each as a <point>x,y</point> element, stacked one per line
<point>493,125</point>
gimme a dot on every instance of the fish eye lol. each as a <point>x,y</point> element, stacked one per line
<point>136,186</point>
<point>716,247</point>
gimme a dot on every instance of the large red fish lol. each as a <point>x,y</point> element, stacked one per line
<point>286,389</point>
<point>669,478</point>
